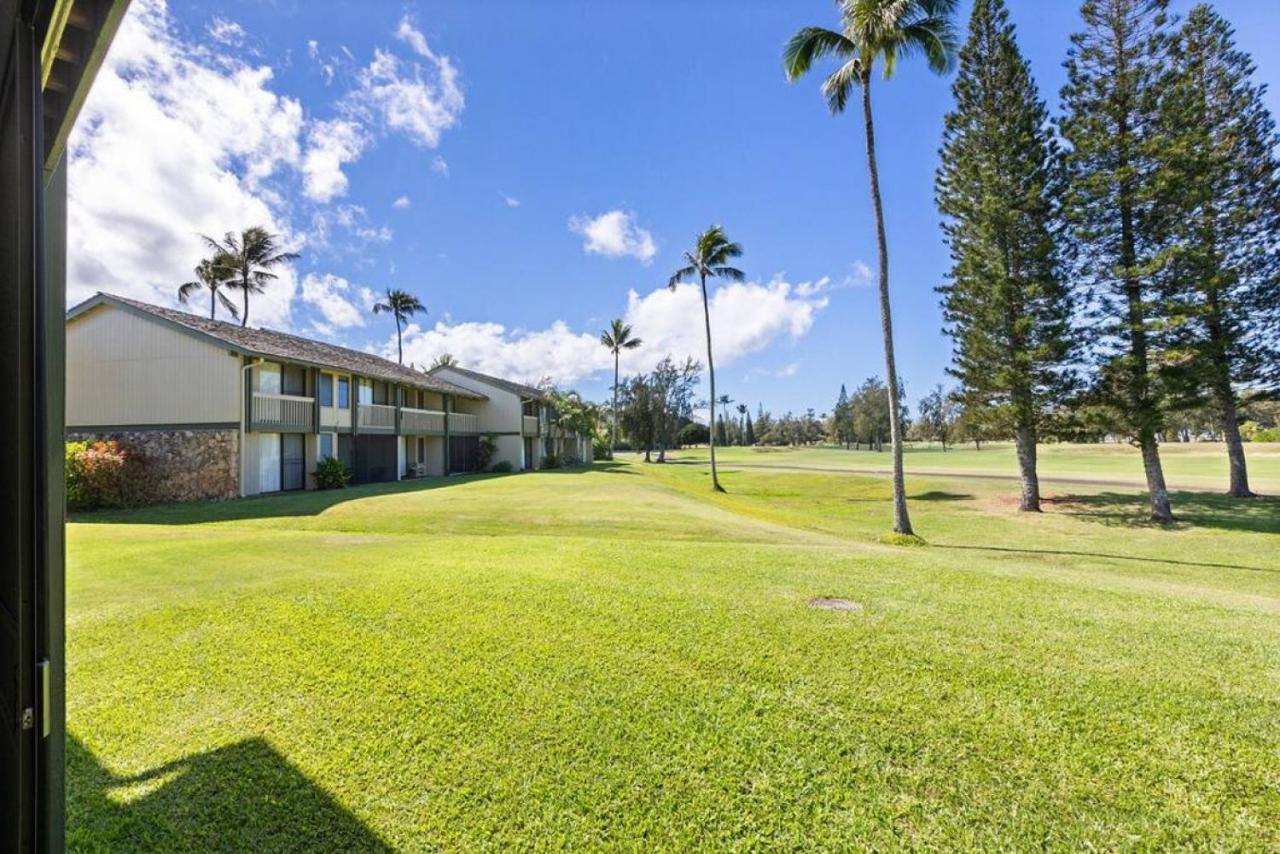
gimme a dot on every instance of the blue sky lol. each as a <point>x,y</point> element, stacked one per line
<point>530,171</point>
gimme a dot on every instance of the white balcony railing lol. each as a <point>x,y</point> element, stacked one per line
<point>462,422</point>
<point>377,415</point>
<point>421,421</point>
<point>530,425</point>
<point>333,418</point>
<point>289,412</point>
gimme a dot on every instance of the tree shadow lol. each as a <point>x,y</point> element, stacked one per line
<point>1190,509</point>
<point>939,495</point>
<point>310,502</point>
<point>1106,556</point>
<point>242,797</point>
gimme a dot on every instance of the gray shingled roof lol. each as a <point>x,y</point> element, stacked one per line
<point>508,385</point>
<point>271,344</point>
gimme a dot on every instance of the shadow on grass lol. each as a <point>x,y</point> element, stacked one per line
<point>1190,509</point>
<point>939,495</point>
<point>242,797</point>
<point>1106,556</point>
<point>304,503</point>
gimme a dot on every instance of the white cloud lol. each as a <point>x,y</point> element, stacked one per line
<point>745,318</point>
<point>439,166</point>
<point>509,201</point>
<point>328,294</point>
<point>174,140</point>
<point>313,48</point>
<point>226,32</point>
<point>614,234</point>
<point>413,37</point>
<point>330,145</point>
<point>401,203</point>
<point>419,99</point>
<point>349,220</point>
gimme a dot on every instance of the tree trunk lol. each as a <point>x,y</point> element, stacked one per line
<point>1025,442</point>
<point>213,296</point>
<point>901,521</point>
<point>1239,487</point>
<point>399,343</point>
<point>1160,510</point>
<point>613,428</point>
<point>244,317</point>
<point>711,375</point>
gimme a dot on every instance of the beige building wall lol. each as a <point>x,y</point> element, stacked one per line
<point>127,370</point>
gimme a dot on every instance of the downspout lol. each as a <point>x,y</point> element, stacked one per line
<point>245,414</point>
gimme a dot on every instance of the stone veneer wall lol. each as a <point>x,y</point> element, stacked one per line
<point>182,465</point>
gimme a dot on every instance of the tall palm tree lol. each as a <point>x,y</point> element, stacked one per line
<point>402,305</point>
<point>247,259</point>
<point>884,31</point>
<point>710,259</point>
<point>210,276</point>
<point>617,338</point>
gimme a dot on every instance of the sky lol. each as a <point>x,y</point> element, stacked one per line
<point>532,170</point>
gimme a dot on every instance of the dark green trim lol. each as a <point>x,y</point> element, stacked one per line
<point>152,428</point>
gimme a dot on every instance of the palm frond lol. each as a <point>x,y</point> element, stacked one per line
<point>228,304</point>
<point>188,289</point>
<point>840,84</point>
<point>732,274</point>
<point>811,44</point>
<point>684,274</point>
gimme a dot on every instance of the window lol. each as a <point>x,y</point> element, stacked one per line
<point>326,389</point>
<point>344,393</point>
<point>268,377</point>
<point>365,393</point>
<point>326,445</point>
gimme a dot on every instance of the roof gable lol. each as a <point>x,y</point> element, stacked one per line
<point>496,382</point>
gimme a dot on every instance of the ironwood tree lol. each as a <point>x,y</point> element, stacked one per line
<point>1006,306</point>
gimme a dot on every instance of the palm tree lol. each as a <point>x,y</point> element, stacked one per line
<point>403,305</point>
<point>211,276</point>
<point>710,259</point>
<point>883,30</point>
<point>247,260</point>
<point>617,338</point>
<point>742,422</point>
<point>444,360</point>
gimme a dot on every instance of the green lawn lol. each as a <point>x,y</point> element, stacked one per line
<point>619,657</point>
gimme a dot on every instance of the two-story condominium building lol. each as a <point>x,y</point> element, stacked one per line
<point>509,403</point>
<point>225,410</point>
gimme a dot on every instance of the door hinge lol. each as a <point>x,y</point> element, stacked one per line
<point>46,714</point>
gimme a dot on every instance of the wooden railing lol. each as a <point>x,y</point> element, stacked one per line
<point>286,412</point>
<point>462,422</point>
<point>377,415</point>
<point>530,425</point>
<point>421,421</point>
<point>332,417</point>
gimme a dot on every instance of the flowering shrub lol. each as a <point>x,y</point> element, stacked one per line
<point>101,474</point>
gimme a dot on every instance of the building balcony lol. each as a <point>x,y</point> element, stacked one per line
<point>417,422</point>
<point>376,418</point>
<point>282,413</point>
<point>463,422</point>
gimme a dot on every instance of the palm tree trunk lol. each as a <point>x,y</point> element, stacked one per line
<point>901,521</point>
<point>711,374</point>
<point>244,317</point>
<point>613,428</point>
<point>213,296</point>
<point>399,343</point>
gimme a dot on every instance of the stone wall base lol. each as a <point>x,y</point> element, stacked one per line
<point>181,465</point>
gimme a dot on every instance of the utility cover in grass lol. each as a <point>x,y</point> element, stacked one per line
<point>830,603</point>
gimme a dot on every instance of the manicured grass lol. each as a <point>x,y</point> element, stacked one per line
<point>619,657</point>
<point>1197,465</point>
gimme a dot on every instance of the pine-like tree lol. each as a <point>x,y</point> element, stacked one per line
<point>841,428</point>
<point>1005,303</point>
<point>751,433</point>
<point>1225,222</point>
<point>1116,171</point>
